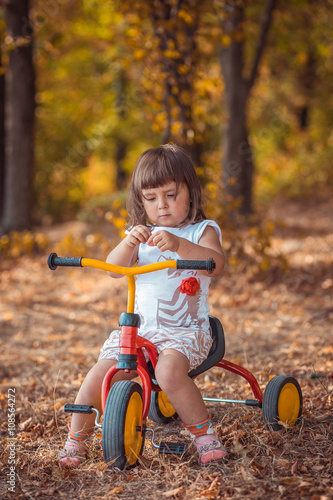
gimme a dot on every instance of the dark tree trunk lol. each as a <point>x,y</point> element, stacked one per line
<point>120,155</point>
<point>2,136</point>
<point>171,31</point>
<point>20,116</point>
<point>122,143</point>
<point>238,164</point>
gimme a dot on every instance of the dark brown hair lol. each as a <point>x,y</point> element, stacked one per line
<point>157,167</point>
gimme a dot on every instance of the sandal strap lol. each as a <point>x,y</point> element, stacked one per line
<point>205,444</point>
<point>74,449</point>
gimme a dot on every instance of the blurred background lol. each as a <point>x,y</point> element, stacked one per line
<point>86,86</point>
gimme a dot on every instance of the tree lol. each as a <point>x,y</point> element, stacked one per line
<point>20,115</point>
<point>175,27</point>
<point>238,159</point>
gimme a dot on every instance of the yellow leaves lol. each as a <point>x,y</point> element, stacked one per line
<point>75,245</point>
<point>71,245</point>
<point>160,122</point>
<point>116,204</point>
<point>225,40</point>
<point>139,54</point>
<point>16,244</point>
<point>117,217</point>
<point>183,69</point>
<point>182,14</point>
<point>172,54</point>
<point>212,189</point>
<point>177,128</point>
<point>119,223</point>
<point>4,242</point>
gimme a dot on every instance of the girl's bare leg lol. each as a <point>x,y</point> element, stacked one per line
<point>172,376</point>
<point>82,425</point>
<point>90,394</point>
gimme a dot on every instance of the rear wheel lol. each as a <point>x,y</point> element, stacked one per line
<point>161,410</point>
<point>121,439</point>
<point>282,402</point>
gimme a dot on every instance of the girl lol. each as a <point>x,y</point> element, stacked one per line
<point>168,223</point>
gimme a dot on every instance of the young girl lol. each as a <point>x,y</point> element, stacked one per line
<point>168,223</point>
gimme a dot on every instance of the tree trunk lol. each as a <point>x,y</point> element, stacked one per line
<point>2,136</point>
<point>179,68</point>
<point>238,164</point>
<point>121,142</point>
<point>20,115</point>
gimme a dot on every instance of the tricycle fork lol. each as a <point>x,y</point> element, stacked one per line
<point>141,372</point>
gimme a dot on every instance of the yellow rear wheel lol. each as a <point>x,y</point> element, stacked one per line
<point>121,438</point>
<point>282,402</point>
<point>161,410</point>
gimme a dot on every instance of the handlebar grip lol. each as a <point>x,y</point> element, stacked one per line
<point>54,261</point>
<point>200,265</point>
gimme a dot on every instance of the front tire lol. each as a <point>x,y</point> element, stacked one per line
<point>282,402</point>
<point>121,440</point>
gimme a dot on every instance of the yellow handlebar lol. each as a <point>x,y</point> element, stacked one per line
<point>203,265</point>
<point>128,271</point>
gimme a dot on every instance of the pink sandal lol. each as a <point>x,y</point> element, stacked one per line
<point>73,454</point>
<point>209,448</point>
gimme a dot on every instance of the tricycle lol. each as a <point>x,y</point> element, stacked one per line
<point>127,404</point>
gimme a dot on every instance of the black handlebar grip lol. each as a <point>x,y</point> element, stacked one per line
<point>200,265</point>
<point>54,261</point>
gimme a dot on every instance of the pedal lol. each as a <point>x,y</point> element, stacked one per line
<point>78,408</point>
<point>173,448</point>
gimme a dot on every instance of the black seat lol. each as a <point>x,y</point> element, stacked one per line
<point>217,350</point>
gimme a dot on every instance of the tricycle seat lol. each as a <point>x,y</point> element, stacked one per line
<point>217,350</point>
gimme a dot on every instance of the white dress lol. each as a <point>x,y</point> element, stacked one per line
<point>170,318</point>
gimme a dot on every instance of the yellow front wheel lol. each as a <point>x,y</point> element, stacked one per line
<point>121,436</point>
<point>282,402</point>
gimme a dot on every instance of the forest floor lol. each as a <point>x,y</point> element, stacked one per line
<point>53,324</point>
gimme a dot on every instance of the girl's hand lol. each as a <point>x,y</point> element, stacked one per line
<point>164,241</point>
<point>137,235</point>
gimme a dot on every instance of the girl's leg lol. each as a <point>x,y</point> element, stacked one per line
<point>82,425</point>
<point>90,394</point>
<point>172,376</point>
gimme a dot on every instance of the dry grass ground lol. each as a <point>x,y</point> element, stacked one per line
<point>53,324</point>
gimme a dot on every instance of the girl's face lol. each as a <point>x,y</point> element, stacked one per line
<point>163,208</point>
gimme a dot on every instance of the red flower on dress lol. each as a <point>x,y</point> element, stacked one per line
<point>190,286</point>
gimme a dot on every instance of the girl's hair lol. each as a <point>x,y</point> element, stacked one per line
<point>157,167</point>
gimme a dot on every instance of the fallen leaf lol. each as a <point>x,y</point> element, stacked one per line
<point>172,493</point>
<point>294,467</point>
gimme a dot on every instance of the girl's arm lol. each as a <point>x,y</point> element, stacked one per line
<point>208,246</point>
<point>126,252</point>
